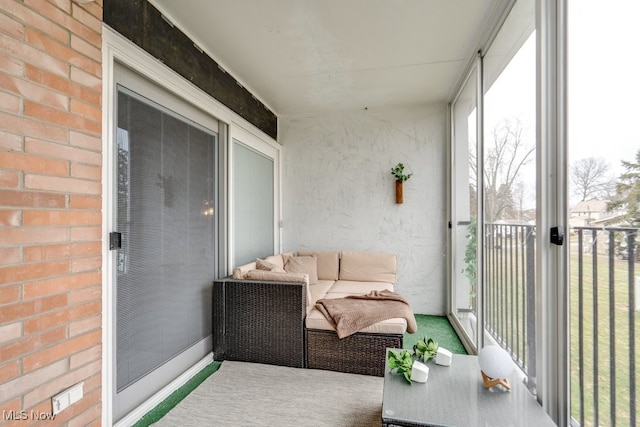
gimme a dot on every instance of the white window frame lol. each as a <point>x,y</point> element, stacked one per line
<point>115,47</point>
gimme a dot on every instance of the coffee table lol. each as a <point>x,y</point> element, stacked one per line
<point>455,396</point>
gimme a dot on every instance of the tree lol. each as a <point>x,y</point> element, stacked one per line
<point>589,179</point>
<point>628,193</point>
<point>505,157</point>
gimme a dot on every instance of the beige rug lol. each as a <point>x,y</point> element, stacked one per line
<point>250,394</point>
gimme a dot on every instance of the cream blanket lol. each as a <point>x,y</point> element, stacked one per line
<point>355,312</point>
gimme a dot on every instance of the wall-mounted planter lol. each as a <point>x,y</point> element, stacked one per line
<point>399,196</point>
<point>398,173</point>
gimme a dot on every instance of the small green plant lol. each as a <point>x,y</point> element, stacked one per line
<point>398,172</point>
<point>425,349</point>
<point>402,362</point>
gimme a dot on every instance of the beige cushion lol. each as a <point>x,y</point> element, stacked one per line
<point>315,320</point>
<point>359,288</point>
<point>275,259</point>
<point>328,263</point>
<point>276,277</point>
<point>268,266</point>
<point>241,271</point>
<point>302,264</point>
<point>319,290</point>
<point>368,266</point>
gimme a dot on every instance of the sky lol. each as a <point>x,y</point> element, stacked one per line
<point>603,85</point>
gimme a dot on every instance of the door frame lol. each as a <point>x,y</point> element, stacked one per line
<point>116,48</point>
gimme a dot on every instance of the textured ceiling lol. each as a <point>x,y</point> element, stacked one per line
<point>303,56</point>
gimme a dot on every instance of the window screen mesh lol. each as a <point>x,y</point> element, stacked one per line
<point>165,186</point>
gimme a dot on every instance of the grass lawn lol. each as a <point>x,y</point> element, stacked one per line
<point>607,358</point>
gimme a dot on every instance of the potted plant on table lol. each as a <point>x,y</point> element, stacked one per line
<point>410,364</point>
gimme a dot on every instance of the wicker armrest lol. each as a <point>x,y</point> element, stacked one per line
<point>259,321</point>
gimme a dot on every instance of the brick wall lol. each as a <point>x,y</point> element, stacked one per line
<point>50,208</point>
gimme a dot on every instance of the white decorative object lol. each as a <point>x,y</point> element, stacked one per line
<point>443,357</point>
<point>419,372</point>
<point>495,365</point>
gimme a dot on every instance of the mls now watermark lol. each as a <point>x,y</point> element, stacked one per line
<point>27,415</point>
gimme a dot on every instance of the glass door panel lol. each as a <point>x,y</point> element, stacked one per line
<point>464,208</point>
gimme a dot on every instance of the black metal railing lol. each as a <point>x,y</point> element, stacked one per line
<point>604,314</point>
<point>509,292</point>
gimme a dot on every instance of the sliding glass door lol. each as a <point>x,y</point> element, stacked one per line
<point>493,236</point>
<point>164,241</point>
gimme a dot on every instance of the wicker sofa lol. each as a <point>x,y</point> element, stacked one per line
<point>271,318</point>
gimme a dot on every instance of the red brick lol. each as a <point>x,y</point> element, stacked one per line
<point>90,51</point>
<point>50,388</point>
<point>9,370</point>
<point>86,264</point>
<point>32,163</point>
<point>9,179</point>
<point>60,217</point>
<point>87,64</point>
<point>89,14</point>
<point>35,92</point>
<point>34,56</point>
<point>65,250</point>
<point>67,185</point>
<point>62,84</point>
<point>82,140</point>
<point>10,141</point>
<point>9,294</point>
<point>10,218</point>
<point>11,65</point>
<point>10,406</point>
<point>85,295</point>
<point>23,272</point>
<point>33,199</point>
<point>59,117</point>
<point>85,110</point>
<point>10,332</point>
<point>85,325</point>
<point>61,13</point>
<point>85,356</point>
<point>61,284</point>
<point>93,173</point>
<point>28,127</point>
<point>10,103</point>
<point>11,27</point>
<point>61,151</point>
<point>86,233</point>
<point>36,20</point>
<point>31,343</point>
<point>60,317</point>
<point>40,235</point>
<point>9,256</point>
<point>80,76</point>
<point>33,380</point>
<point>91,412</point>
<point>85,202</point>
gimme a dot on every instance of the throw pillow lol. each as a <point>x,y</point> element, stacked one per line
<point>268,266</point>
<point>303,264</point>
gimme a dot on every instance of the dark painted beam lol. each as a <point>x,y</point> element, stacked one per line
<point>143,24</point>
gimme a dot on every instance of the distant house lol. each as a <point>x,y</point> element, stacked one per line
<point>592,213</point>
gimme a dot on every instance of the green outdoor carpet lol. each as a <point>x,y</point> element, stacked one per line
<point>436,327</point>
<point>439,329</point>
<point>174,398</point>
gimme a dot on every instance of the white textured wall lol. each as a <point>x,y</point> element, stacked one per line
<point>338,192</point>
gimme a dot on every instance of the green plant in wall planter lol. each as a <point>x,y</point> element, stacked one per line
<point>401,177</point>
